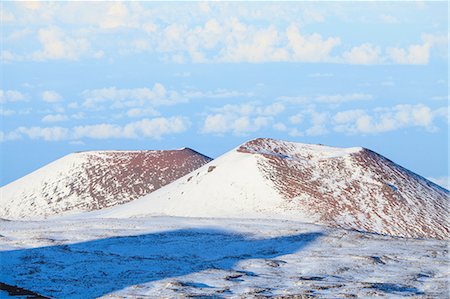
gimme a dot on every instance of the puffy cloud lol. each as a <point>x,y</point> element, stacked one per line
<point>240,119</point>
<point>19,34</point>
<point>9,136</point>
<point>362,121</point>
<point>318,121</point>
<point>140,112</point>
<point>145,128</point>
<point>414,54</point>
<point>248,44</point>
<point>233,41</point>
<point>115,16</point>
<point>158,95</point>
<point>296,118</point>
<point>294,99</point>
<point>216,123</point>
<point>6,112</point>
<point>51,96</point>
<point>363,54</point>
<point>229,33</point>
<point>11,96</point>
<point>386,119</point>
<point>279,126</point>
<point>56,44</point>
<point>310,48</point>
<point>44,133</point>
<point>55,118</point>
<point>273,109</point>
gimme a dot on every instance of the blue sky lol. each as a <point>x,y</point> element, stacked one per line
<point>81,76</point>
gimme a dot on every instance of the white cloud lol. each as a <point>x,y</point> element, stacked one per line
<point>11,96</point>
<point>9,136</point>
<point>386,119</point>
<point>158,95</point>
<point>442,113</point>
<point>230,33</point>
<point>341,98</point>
<point>216,123</point>
<point>310,48</point>
<point>145,128</point>
<point>56,44</point>
<point>240,119</point>
<point>296,118</point>
<point>140,112</point>
<point>363,54</point>
<point>19,34</point>
<point>435,39</point>
<point>55,118</point>
<point>140,101</point>
<point>318,121</point>
<point>295,132</point>
<point>233,41</point>
<point>332,99</point>
<point>115,16</point>
<point>6,112</point>
<point>51,96</point>
<point>280,127</point>
<point>48,134</point>
<point>31,5</point>
<point>414,54</point>
<point>294,99</point>
<point>273,109</point>
<point>248,44</point>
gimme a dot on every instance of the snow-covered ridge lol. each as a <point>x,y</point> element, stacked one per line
<point>348,188</point>
<point>93,180</point>
<point>293,150</point>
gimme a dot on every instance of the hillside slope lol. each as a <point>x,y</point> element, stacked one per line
<point>94,180</point>
<point>352,188</point>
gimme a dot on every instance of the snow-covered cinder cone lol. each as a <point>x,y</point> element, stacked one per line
<point>94,180</point>
<point>352,188</point>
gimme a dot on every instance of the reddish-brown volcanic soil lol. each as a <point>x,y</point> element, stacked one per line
<point>361,190</point>
<point>88,181</point>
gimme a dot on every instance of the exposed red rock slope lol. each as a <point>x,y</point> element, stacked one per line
<point>94,180</point>
<point>362,190</point>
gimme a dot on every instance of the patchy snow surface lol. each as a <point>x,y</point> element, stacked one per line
<point>94,180</point>
<point>170,257</point>
<point>350,188</point>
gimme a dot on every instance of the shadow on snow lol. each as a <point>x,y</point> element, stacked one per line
<point>94,268</point>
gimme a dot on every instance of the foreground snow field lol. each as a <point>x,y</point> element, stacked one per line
<point>171,257</point>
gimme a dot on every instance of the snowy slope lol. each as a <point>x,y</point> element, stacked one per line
<point>93,180</point>
<point>170,257</point>
<point>352,188</point>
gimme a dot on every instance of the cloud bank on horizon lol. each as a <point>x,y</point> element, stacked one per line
<point>80,75</point>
